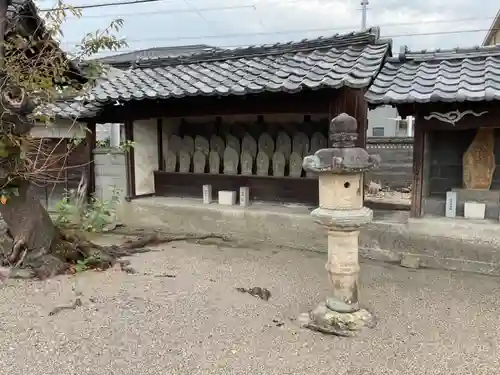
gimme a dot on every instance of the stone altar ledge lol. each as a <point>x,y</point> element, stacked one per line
<point>477,195</point>
<point>454,244</point>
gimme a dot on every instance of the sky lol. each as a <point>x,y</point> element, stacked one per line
<point>231,23</point>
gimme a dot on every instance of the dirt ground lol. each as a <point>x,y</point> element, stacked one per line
<point>180,314</point>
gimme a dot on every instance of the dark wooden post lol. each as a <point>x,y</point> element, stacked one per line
<point>418,166</point>
<point>90,141</point>
<point>130,161</point>
<point>352,102</point>
<point>159,135</point>
<point>361,115</point>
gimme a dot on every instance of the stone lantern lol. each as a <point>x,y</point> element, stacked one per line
<point>340,172</point>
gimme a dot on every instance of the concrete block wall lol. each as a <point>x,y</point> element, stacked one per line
<point>396,168</point>
<point>109,171</point>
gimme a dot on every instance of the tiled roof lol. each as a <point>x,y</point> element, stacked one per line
<point>342,60</point>
<point>439,76</point>
<point>79,106</point>
<point>73,109</point>
<point>126,60</point>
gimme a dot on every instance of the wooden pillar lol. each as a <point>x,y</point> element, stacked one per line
<point>352,102</point>
<point>418,168</point>
<point>159,135</point>
<point>130,161</point>
<point>90,141</point>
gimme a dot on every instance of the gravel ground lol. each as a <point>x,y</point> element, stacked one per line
<point>430,322</point>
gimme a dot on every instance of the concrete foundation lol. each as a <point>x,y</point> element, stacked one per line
<point>454,244</point>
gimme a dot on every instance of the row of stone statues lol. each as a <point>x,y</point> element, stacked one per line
<point>263,157</point>
<point>300,143</point>
<point>233,163</point>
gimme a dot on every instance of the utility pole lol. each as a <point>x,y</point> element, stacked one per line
<point>364,5</point>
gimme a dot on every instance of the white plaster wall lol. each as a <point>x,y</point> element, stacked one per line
<point>60,129</point>
<point>145,155</point>
<point>384,117</point>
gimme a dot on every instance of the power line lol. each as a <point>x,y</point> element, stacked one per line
<point>238,35</point>
<point>439,33</point>
<point>352,27</point>
<point>138,2</point>
<point>171,11</point>
<point>232,7</point>
<point>101,5</point>
<point>222,8</point>
<point>385,36</point>
<point>132,2</point>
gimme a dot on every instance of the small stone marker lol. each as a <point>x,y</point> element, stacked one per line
<point>199,162</point>
<point>217,145</point>
<point>174,143</point>
<point>233,143</point>
<point>188,144</point>
<point>246,163</point>
<point>474,210</point>
<point>284,144</point>
<point>279,163</point>
<point>184,161</point>
<point>318,142</point>
<point>295,165</point>
<point>201,144</point>
<point>214,162</point>
<point>300,144</point>
<point>207,194</point>
<point>231,161</point>
<point>451,204</point>
<point>266,144</point>
<point>248,144</point>
<point>244,196</point>
<point>170,161</point>
<point>227,198</point>
<point>262,162</point>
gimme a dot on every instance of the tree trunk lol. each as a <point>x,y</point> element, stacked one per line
<point>41,249</point>
<point>28,221</point>
<point>38,244</point>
